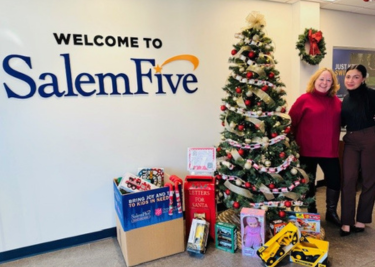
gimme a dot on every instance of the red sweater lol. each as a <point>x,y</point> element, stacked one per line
<point>316,124</point>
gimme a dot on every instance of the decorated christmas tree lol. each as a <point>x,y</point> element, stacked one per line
<point>257,158</point>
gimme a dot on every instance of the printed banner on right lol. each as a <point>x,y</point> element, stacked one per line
<point>346,56</point>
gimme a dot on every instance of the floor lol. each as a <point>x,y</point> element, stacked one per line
<point>355,250</point>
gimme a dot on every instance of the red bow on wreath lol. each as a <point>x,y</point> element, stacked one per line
<point>314,39</point>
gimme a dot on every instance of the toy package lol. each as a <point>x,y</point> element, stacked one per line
<point>252,230</point>
<point>280,245</point>
<point>154,176</point>
<point>197,242</point>
<point>307,223</point>
<point>276,226</point>
<point>310,252</point>
<point>226,236</point>
<point>132,183</point>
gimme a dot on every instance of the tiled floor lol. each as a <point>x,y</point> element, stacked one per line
<point>356,250</point>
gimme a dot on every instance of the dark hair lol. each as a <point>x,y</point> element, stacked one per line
<point>362,69</point>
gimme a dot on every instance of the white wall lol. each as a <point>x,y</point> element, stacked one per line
<point>59,155</point>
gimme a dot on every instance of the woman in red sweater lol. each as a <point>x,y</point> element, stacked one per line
<point>316,127</point>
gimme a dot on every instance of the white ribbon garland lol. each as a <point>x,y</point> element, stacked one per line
<point>257,145</point>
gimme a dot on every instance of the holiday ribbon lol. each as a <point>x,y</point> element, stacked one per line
<point>258,70</point>
<point>266,192</point>
<point>238,190</point>
<point>314,39</point>
<point>236,155</point>
<point>276,176</point>
<point>240,102</point>
<point>258,123</point>
<point>229,165</point>
<point>304,174</point>
<point>262,95</point>
<point>255,20</point>
<point>292,195</point>
<point>243,49</point>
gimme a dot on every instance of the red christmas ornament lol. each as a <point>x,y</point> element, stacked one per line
<point>227,192</point>
<point>229,155</point>
<point>282,155</point>
<point>288,204</point>
<point>238,90</point>
<point>251,54</point>
<point>218,149</point>
<point>273,135</point>
<point>259,103</point>
<point>218,176</point>
<point>234,51</point>
<point>282,214</point>
<point>265,88</point>
<point>283,110</point>
<point>236,205</point>
<point>249,75</point>
<point>247,102</point>
<point>241,152</point>
<point>287,130</point>
<point>223,123</point>
<point>303,181</point>
<point>247,185</point>
<point>241,127</point>
<point>223,107</point>
<point>271,75</point>
<point>271,186</point>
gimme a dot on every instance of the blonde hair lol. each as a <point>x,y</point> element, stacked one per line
<point>335,84</point>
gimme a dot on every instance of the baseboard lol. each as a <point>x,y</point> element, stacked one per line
<point>55,245</point>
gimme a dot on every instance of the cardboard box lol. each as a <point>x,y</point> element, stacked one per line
<point>226,236</point>
<point>145,230</point>
<point>252,230</point>
<point>310,252</point>
<point>151,242</point>
<point>307,223</point>
<point>145,208</point>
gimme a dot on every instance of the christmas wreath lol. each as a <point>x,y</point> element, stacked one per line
<point>317,45</point>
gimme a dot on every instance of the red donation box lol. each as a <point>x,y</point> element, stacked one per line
<point>200,200</point>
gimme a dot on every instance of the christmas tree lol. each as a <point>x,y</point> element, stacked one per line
<point>257,157</point>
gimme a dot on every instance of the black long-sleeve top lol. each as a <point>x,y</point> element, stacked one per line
<point>358,109</point>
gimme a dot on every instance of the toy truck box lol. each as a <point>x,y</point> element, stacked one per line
<point>310,252</point>
<point>307,223</point>
<point>226,236</point>
<point>280,245</point>
<point>198,236</point>
<point>252,230</point>
<point>276,226</point>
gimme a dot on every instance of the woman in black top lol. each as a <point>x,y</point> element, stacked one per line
<point>358,115</point>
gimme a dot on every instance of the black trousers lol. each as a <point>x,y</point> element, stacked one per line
<point>330,168</point>
<point>359,153</point>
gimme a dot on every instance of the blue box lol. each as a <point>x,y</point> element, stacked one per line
<point>136,210</point>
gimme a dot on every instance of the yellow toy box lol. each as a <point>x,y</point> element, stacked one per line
<point>310,252</point>
<point>278,246</point>
<point>198,236</point>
